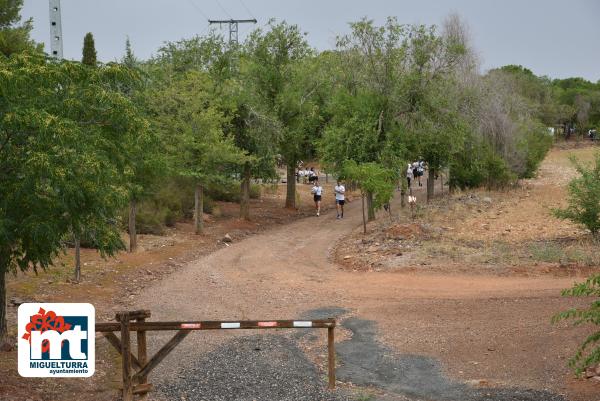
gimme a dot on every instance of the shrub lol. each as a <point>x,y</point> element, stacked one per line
<point>208,205</point>
<point>255,191</point>
<point>534,145</point>
<point>480,166</point>
<point>584,197</point>
<point>588,353</point>
<point>230,191</point>
<point>150,221</point>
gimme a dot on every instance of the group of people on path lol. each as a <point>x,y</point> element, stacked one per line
<point>415,171</point>
<point>340,197</point>
<point>305,174</point>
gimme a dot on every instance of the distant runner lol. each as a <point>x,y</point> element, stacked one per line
<point>317,191</point>
<point>340,199</point>
<point>409,174</point>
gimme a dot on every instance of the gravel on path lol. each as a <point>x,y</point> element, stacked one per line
<point>252,368</point>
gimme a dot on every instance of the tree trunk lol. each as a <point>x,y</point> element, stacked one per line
<point>77,258</point>
<point>430,183</point>
<point>199,209</point>
<point>132,231</point>
<point>370,208</point>
<point>362,199</point>
<point>5,343</point>
<point>290,196</point>
<point>245,201</point>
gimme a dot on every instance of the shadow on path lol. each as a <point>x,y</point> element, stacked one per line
<point>365,362</point>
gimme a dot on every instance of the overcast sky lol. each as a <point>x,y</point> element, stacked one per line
<point>551,37</point>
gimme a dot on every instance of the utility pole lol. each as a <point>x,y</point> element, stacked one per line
<point>233,26</point>
<point>56,38</point>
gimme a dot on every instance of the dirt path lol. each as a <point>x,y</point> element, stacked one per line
<point>493,331</point>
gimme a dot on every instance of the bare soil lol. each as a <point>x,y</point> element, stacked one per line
<point>466,292</point>
<point>112,284</point>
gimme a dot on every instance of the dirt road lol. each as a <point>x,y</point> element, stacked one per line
<point>484,330</point>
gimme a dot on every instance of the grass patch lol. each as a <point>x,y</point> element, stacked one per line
<point>584,252</point>
<point>547,252</point>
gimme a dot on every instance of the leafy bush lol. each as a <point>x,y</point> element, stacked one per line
<point>480,166</point>
<point>208,204</point>
<point>229,191</point>
<point>534,145</point>
<point>588,353</point>
<point>150,221</point>
<point>584,197</point>
<point>255,191</point>
<point>173,200</point>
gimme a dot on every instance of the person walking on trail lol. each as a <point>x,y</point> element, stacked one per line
<point>340,199</point>
<point>317,191</point>
<point>409,174</point>
<point>415,171</point>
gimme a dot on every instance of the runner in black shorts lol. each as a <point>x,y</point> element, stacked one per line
<point>340,199</point>
<point>317,191</point>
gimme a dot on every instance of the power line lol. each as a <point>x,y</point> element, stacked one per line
<point>222,8</point>
<point>247,9</point>
<point>198,9</point>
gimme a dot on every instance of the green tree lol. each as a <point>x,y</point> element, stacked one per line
<point>14,37</point>
<point>89,50</point>
<point>147,163</point>
<point>273,57</point>
<point>363,125</point>
<point>372,179</point>
<point>89,58</point>
<point>191,121</point>
<point>252,126</point>
<point>61,165</point>
<point>584,197</point>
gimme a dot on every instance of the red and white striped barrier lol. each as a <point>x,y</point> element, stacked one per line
<point>136,382</point>
<point>220,325</point>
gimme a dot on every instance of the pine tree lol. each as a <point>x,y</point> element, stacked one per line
<point>89,50</point>
<point>129,60</point>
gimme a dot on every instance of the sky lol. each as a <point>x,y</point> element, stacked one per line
<point>556,38</point>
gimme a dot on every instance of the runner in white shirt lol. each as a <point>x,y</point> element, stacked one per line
<point>409,174</point>
<point>317,191</point>
<point>340,199</point>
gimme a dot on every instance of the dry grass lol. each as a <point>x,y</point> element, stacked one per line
<point>499,232</point>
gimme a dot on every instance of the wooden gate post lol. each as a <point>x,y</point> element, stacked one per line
<point>142,357</point>
<point>126,355</point>
<point>331,349</point>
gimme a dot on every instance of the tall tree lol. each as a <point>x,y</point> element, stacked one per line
<point>273,59</point>
<point>61,168</point>
<point>366,103</point>
<point>89,50</point>
<point>89,58</point>
<point>252,126</point>
<point>191,119</point>
<point>146,156</point>
<point>14,37</point>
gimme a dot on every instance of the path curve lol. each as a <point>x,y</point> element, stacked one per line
<point>286,271</point>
